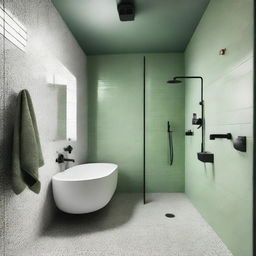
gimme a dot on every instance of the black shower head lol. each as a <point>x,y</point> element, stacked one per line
<point>174,81</point>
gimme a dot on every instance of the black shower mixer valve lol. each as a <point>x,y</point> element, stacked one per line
<point>197,121</point>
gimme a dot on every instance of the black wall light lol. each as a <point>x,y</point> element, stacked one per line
<point>126,10</point>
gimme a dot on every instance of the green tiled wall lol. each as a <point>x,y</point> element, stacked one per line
<point>164,102</point>
<point>116,118</point>
<point>223,192</point>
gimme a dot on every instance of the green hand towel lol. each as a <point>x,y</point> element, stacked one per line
<point>27,154</point>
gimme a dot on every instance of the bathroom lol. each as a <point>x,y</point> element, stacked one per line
<point>141,117</point>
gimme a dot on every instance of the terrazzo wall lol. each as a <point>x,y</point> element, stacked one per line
<point>50,43</point>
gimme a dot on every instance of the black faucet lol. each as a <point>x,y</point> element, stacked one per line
<point>61,159</point>
<point>221,136</point>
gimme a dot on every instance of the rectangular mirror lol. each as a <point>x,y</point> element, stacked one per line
<point>63,88</point>
<point>61,132</point>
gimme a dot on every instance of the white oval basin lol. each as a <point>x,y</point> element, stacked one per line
<point>85,188</point>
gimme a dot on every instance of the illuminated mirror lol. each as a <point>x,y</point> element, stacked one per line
<point>63,87</point>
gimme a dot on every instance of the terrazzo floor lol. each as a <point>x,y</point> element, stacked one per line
<point>126,227</point>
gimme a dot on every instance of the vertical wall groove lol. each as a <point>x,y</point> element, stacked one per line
<point>254,133</point>
<point>144,129</point>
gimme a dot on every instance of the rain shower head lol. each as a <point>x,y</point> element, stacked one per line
<point>174,81</point>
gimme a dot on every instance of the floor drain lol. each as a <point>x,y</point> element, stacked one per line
<point>169,215</point>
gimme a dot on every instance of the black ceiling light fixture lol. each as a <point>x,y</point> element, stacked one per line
<point>126,10</point>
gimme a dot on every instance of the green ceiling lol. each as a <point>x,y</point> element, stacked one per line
<point>159,26</point>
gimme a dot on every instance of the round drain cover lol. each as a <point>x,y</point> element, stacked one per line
<point>169,215</point>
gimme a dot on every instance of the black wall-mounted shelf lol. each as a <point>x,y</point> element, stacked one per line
<point>206,157</point>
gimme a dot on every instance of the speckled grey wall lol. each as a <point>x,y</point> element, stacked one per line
<point>24,217</point>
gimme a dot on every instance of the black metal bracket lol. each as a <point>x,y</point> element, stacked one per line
<point>189,133</point>
<point>221,136</point>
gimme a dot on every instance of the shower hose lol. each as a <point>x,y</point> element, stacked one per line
<point>169,131</point>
